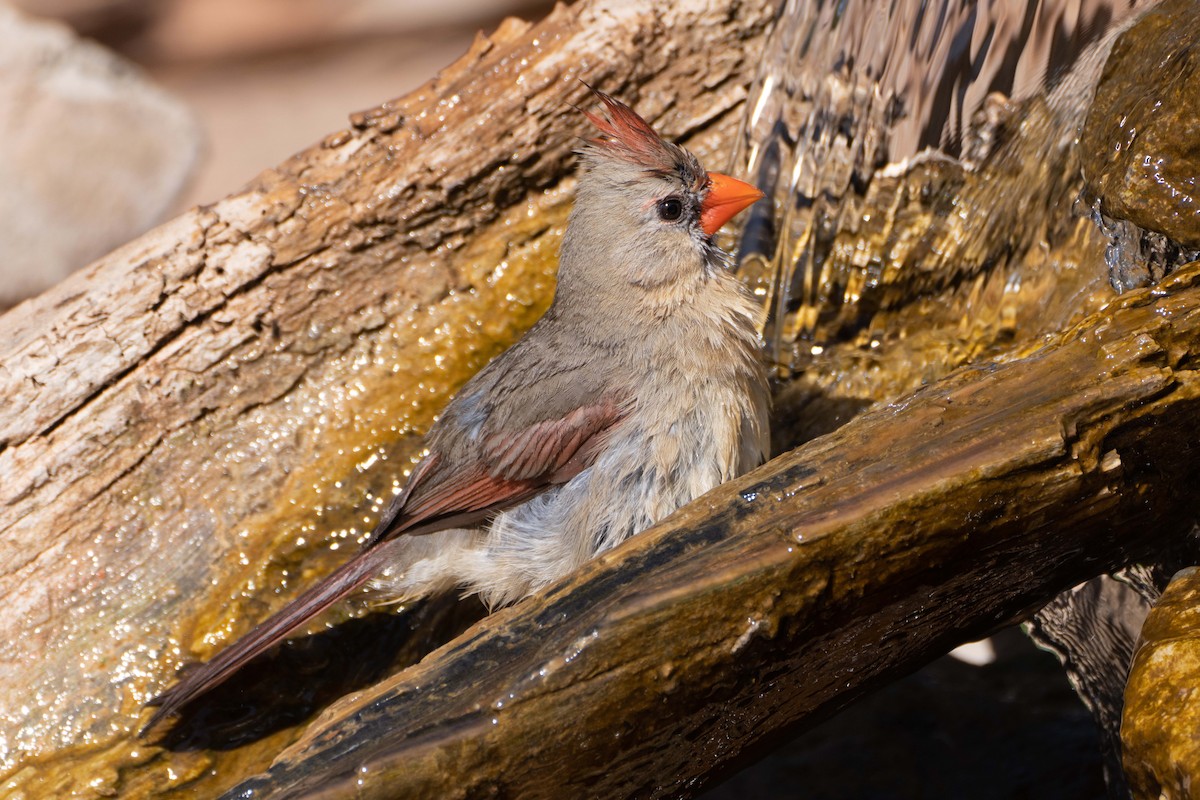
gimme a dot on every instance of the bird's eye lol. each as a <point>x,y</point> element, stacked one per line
<point>670,209</point>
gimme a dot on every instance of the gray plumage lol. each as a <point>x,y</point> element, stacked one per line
<point>639,390</point>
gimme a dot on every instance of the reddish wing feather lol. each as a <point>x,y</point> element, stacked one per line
<point>547,446</point>
<point>516,467</point>
<point>513,468</point>
<point>467,498</point>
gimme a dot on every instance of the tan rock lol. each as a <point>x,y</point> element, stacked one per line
<point>91,154</point>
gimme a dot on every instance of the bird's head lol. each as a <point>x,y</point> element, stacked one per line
<point>646,207</point>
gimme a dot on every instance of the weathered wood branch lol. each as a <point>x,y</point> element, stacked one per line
<point>783,595</point>
<point>199,419</point>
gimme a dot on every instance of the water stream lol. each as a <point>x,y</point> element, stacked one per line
<point>893,139</point>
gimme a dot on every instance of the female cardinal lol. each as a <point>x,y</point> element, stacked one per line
<point>639,390</point>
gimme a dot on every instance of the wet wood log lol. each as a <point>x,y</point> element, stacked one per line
<point>781,596</point>
<point>202,418</point>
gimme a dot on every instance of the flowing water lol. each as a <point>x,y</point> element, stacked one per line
<point>907,147</point>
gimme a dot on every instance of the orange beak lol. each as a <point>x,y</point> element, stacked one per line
<point>726,197</point>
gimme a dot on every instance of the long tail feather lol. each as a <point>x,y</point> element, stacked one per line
<point>337,585</point>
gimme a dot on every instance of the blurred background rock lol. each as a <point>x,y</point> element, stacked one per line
<point>185,102</point>
<point>91,153</point>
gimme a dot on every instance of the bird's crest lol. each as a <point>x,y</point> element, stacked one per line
<point>627,136</point>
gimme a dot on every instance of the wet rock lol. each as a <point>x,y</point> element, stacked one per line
<point>1158,730</point>
<point>91,154</point>
<point>1140,145</point>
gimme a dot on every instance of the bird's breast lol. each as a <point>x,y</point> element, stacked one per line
<point>701,411</point>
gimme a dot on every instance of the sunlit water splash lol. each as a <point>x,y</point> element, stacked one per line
<point>852,90</point>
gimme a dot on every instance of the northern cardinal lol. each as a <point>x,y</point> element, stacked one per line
<point>640,389</point>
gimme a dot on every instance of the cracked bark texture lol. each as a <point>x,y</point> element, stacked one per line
<point>199,419</point>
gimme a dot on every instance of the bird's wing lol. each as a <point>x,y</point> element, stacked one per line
<point>503,470</point>
<point>440,494</point>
